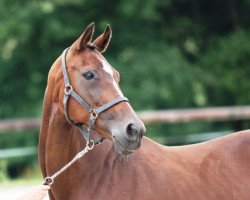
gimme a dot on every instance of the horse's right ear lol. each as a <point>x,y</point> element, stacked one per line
<point>85,38</point>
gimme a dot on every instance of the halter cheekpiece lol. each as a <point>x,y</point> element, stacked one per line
<point>69,91</point>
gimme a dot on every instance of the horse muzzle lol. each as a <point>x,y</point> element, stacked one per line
<point>128,140</point>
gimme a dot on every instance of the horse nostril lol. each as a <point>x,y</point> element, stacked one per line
<point>132,130</point>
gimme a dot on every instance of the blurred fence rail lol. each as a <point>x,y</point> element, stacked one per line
<point>196,114</point>
<point>148,117</point>
<point>153,117</point>
<point>19,124</point>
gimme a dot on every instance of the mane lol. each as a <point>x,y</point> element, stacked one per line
<point>91,46</point>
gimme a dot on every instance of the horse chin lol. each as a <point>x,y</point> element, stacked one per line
<point>119,147</point>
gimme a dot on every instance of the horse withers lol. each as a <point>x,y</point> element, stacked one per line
<point>83,104</point>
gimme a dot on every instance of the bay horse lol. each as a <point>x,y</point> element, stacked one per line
<point>83,103</point>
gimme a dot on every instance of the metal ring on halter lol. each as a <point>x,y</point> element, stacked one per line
<point>68,89</point>
<point>49,180</point>
<point>90,144</point>
<point>94,114</point>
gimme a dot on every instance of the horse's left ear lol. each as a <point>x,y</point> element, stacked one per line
<point>85,38</point>
<point>102,41</point>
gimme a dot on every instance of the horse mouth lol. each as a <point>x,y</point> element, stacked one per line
<point>120,148</point>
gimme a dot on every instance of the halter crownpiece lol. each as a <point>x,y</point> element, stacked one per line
<point>69,91</point>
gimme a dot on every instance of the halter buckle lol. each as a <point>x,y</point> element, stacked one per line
<point>68,89</point>
<point>93,114</point>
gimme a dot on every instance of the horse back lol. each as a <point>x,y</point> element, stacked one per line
<point>216,169</point>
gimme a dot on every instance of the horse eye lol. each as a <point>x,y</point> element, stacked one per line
<point>89,75</point>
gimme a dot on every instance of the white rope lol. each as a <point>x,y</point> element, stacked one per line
<point>50,179</point>
<point>39,192</point>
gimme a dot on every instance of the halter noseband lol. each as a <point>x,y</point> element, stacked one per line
<point>69,91</point>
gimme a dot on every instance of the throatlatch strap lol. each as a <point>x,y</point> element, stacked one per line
<point>65,103</point>
<point>65,75</point>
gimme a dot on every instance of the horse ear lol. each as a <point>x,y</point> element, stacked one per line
<point>85,38</point>
<point>103,40</point>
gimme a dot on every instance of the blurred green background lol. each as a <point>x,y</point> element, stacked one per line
<point>170,54</point>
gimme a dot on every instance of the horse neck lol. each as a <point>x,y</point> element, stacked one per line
<point>60,141</point>
<point>55,131</point>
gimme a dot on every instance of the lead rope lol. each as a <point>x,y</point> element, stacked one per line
<point>49,180</point>
<point>39,192</point>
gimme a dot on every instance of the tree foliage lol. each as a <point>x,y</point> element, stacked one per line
<point>171,54</point>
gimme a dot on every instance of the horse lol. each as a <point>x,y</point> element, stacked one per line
<point>84,107</point>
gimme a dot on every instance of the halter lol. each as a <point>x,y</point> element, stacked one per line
<point>69,91</point>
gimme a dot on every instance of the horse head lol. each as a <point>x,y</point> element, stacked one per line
<point>97,83</point>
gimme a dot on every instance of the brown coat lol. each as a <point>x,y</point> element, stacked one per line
<point>214,170</point>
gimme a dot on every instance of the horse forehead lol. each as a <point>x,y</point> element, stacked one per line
<point>103,64</point>
<point>107,67</point>
<point>97,60</point>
